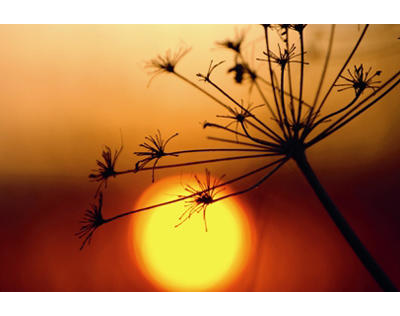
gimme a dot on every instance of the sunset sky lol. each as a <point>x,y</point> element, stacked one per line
<point>68,90</point>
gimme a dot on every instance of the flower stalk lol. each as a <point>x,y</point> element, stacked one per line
<point>347,232</point>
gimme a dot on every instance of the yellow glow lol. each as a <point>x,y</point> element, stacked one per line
<point>187,258</point>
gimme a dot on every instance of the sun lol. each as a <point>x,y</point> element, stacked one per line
<point>187,257</point>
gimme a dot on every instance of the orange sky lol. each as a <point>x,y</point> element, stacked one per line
<point>63,83</point>
<point>67,90</point>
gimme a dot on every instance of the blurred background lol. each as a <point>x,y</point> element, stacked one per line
<point>68,90</point>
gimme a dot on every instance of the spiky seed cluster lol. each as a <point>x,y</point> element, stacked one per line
<point>107,168</point>
<point>298,27</point>
<point>284,56</point>
<point>92,220</point>
<point>360,80</point>
<point>240,115</point>
<point>242,72</point>
<point>167,62</point>
<point>239,70</point>
<point>155,150</point>
<point>204,195</point>
<point>235,44</point>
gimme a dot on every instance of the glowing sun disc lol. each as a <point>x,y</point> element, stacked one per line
<point>187,258</point>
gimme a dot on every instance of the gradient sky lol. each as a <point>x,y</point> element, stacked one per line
<point>68,90</point>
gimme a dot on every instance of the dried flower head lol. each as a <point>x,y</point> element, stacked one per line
<point>240,115</point>
<point>298,27</point>
<point>242,72</point>
<point>167,63</point>
<point>92,220</point>
<point>239,70</point>
<point>204,195</point>
<point>155,150</point>
<point>107,168</point>
<point>359,80</point>
<point>235,44</point>
<point>283,29</point>
<point>285,57</point>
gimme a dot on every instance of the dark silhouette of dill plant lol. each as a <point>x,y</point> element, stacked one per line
<point>294,126</point>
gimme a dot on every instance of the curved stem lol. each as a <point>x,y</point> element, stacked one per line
<point>236,142</point>
<point>213,150</point>
<point>346,119</point>
<point>267,143</point>
<point>272,80</point>
<point>258,86</point>
<point>301,78</point>
<point>355,243</point>
<point>265,99</point>
<point>199,162</point>
<point>290,83</point>
<point>182,198</point>
<point>202,90</point>
<point>255,185</point>
<point>328,55</point>
<point>326,117</point>
<point>338,76</point>
<point>321,81</point>
<point>285,92</point>
<point>285,120</point>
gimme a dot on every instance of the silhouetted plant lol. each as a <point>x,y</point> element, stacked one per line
<point>290,131</point>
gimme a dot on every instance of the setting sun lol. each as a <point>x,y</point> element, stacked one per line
<point>187,258</point>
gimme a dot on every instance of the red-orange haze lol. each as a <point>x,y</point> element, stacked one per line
<point>68,90</point>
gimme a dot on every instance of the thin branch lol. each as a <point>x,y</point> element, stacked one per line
<point>357,106</point>
<point>209,124</point>
<point>266,143</point>
<point>278,140</point>
<point>236,142</point>
<point>202,90</point>
<point>339,74</point>
<point>285,92</point>
<point>213,150</point>
<point>196,163</point>
<point>301,78</point>
<point>258,87</point>
<point>326,117</point>
<point>254,185</point>
<point>319,138</point>
<point>290,84</point>
<point>272,79</point>
<point>255,139</point>
<point>194,194</point>
<point>285,119</point>
<point>327,58</point>
<point>265,99</point>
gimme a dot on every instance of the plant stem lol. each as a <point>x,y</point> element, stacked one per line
<point>362,253</point>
